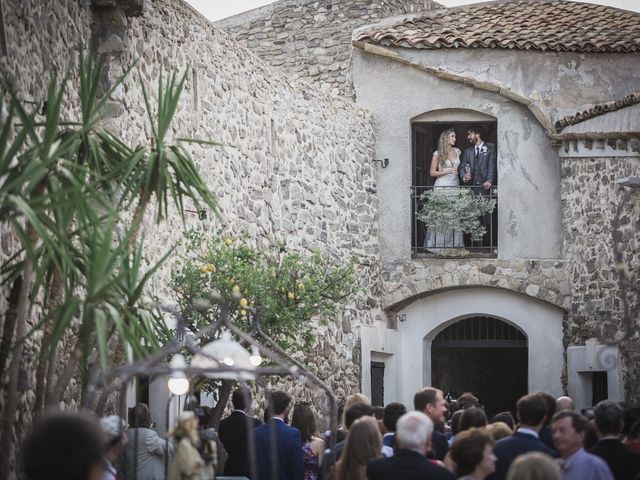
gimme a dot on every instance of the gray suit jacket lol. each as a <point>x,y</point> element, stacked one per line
<point>483,169</point>
<point>144,454</point>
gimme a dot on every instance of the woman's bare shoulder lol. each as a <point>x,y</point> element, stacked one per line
<point>317,441</point>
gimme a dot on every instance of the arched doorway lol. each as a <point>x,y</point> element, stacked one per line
<point>406,350</point>
<point>483,355</point>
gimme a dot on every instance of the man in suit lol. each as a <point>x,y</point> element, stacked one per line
<point>531,411</point>
<point>392,412</point>
<point>564,403</point>
<point>481,158</point>
<point>430,401</point>
<point>278,441</point>
<point>233,433</point>
<point>478,167</point>
<point>413,437</point>
<point>624,463</point>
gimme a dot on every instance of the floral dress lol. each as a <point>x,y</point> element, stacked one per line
<point>311,464</point>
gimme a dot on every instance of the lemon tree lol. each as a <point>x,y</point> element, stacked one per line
<point>286,289</point>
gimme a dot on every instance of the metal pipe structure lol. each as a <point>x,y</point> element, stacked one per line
<point>155,364</point>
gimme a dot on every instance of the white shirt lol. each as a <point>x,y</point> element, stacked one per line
<point>528,431</point>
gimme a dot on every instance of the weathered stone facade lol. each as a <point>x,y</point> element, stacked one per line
<point>295,166</point>
<point>310,40</point>
<point>40,37</point>
<point>545,280</point>
<point>590,198</point>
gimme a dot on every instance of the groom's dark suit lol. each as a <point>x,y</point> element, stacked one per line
<point>483,163</point>
<point>483,166</point>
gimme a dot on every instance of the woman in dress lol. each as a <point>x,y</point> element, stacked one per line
<point>187,464</point>
<point>312,446</point>
<point>444,167</point>
<point>472,455</point>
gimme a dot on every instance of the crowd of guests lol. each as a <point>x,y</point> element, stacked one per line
<point>545,439</point>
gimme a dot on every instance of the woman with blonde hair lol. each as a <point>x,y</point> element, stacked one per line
<point>498,430</point>
<point>444,167</point>
<point>533,466</point>
<point>356,398</point>
<point>363,444</point>
<point>187,464</point>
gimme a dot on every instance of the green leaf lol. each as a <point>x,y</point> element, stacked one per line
<point>101,327</point>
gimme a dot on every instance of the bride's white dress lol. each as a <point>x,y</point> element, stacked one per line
<point>451,238</point>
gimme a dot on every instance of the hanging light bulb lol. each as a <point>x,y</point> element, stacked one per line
<point>178,386</point>
<point>225,352</point>
<point>178,382</point>
<point>255,357</point>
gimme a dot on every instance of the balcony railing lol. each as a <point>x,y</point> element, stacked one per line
<point>451,212</point>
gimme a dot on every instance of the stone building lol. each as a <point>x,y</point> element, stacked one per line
<point>556,86</point>
<point>307,133</point>
<point>310,40</point>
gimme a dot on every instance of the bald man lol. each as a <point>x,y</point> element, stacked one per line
<point>564,403</point>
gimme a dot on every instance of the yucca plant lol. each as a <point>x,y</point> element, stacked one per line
<point>166,171</point>
<point>62,187</point>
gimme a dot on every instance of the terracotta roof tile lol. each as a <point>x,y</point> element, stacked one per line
<point>549,25</point>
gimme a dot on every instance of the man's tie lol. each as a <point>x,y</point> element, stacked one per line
<point>477,152</point>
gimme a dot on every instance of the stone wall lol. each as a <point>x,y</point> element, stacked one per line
<point>41,36</point>
<point>310,40</point>
<point>590,198</point>
<point>294,165</point>
<point>406,280</point>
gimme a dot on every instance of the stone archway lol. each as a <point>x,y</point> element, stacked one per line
<point>407,350</point>
<point>483,355</point>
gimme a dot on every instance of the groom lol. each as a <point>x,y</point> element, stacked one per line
<point>478,166</point>
<point>481,158</point>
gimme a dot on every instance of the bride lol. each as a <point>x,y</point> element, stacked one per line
<point>444,167</point>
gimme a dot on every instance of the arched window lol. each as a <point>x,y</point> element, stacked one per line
<point>481,163</point>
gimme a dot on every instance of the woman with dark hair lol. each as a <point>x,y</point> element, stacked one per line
<point>631,428</point>
<point>505,417</point>
<point>363,444</point>
<point>472,454</point>
<point>632,440</point>
<point>472,417</point>
<point>312,446</point>
<point>145,450</point>
<point>67,446</point>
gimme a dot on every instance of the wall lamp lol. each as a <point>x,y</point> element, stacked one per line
<point>202,214</point>
<point>633,182</point>
<point>384,162</point>
<point>43,106</point>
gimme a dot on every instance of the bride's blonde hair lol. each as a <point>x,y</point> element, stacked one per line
<point>444,147</point>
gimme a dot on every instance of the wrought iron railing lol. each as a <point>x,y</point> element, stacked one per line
<point>452,241</point>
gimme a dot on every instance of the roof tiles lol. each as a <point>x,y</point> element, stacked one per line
<point>548,25</point>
